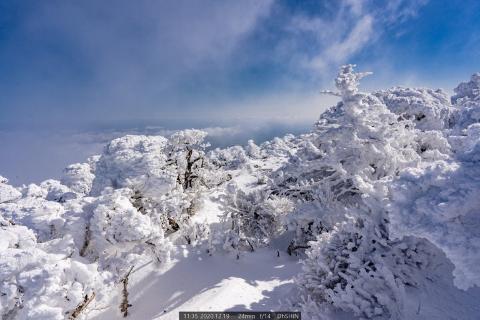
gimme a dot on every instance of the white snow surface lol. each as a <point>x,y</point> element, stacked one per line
<point>374,214</point>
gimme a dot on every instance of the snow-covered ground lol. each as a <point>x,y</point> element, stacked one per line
<point>259,281</point>
<point>374,214</point>
<point>195,280</point>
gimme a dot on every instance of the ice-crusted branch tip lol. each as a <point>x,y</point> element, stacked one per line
<point>347,80</point>
<point>330,93</point>
<point>469,89</point>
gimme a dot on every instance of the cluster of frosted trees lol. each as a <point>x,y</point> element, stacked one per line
<point>385,183</point>
<point>65,243</point>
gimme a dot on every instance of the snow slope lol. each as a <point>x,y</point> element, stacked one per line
<point>199,282</point>
<point>261,281</point>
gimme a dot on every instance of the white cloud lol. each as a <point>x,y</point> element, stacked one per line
<point>122,58</point>
<point>35,156</point>
<point>399,11</point>
<point>337,35</point>
<point>341,50</point>
<point>288,108</point>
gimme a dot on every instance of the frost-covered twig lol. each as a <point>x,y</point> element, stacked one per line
<point>82,306</point>
<point>125,305</point>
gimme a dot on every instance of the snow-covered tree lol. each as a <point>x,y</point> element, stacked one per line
<point>44,280</point>
<point>79,177</point>
<point>439,200</point>
<point>427,108</point>
<point>7,192</point>
<point>253,219</point>
<point>167,176</point>
<point>359,147</point>
<point>66,244</point>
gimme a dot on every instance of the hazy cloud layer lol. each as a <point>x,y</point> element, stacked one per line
<point>107,61</point>
<point>74,74</point>
<point>35,156</point>
<point>124,56</point>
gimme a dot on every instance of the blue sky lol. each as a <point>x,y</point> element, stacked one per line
<point>68,63</point>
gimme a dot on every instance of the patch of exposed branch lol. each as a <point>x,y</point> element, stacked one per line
<point>125,305</point>
<point>292,248</point>
<point>86,242</point>
<point>82,306</point>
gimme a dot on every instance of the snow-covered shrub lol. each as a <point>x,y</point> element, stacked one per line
<point>467,103</point>
<point>43,280</point>
<point>196,173</point>
<point>253,218</point>
<point>432,145</point>
<point>116,220</point>
<point>345,268</point>
<point>344,170</point>
<point>253,150</point>
<point>280,147</point>
<point>311,218</point>
<point>42,275</point>
<point>7,192</point>
<point>229,158</point>
<point>440,202</point>
<point>427,108</point>
<point>56,191</point>
<point>45,218</point>
<point>353,267</point>
<point>439,199</point>
<point>117,234</point>
<point>186,149</point>
<point>467,91</point>
<point>78,177</point>
<point>136,162</point>
<point>356,147</point>
<point>167,176</point>
<point>107,216</point>
<point>194,232</point>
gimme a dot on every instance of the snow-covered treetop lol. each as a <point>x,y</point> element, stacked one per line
<point>470,89</point>
<point>188,137</point>
<point>429,109</point>
<point>347,81</point>
<point>7,192</point>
